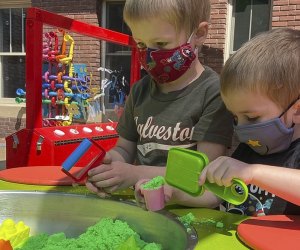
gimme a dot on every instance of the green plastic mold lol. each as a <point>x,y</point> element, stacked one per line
<point>184,167</point>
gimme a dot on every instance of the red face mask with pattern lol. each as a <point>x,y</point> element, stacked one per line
<point>167,65</point>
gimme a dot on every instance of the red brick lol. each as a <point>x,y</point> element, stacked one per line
<point>286,2</point>
<point>294,1</point>
<point>288,7</point>
<point>287,18</point>
<point>279,24</point>
<point>280,13</point>
<point>293,23</point>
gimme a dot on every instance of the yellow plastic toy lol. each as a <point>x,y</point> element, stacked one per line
<point>16,233</point>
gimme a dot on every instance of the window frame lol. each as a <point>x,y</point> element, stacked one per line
<point>7,100</point>
<point>228,50</point>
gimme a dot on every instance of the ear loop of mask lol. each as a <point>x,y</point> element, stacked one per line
<point>189,42</point>
<point>284,111</point>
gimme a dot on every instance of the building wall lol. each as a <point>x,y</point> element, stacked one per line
<point>212,51</point>
<point>286,13</point>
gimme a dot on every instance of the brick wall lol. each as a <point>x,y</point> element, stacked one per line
<point>286,13</point>
<point>213,49</point>
<point>10,125</point>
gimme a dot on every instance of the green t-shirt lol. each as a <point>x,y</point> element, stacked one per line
<point>158,121</point>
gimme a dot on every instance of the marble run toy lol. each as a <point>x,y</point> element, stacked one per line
<point>54,95</point>
<point>15,233</point>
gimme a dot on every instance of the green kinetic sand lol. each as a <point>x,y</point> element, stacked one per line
<point>187,219</point>
<point>154,183</point>
<point>107,234</point>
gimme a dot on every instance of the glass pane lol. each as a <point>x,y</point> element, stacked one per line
<point>260,16</point>
<point>118,58</point>
<point>16,24</point>
<point>13,69</point>
<point>4,30</point>
<point>114,21</point>
<point>242,22</point>
<point>115,92</point>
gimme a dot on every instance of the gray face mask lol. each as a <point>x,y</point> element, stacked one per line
<point>267,137</point>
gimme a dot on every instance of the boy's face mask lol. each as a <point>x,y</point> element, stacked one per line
<point>167,65</point>
<point>266,137</point>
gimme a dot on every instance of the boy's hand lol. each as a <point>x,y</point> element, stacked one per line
<point>111,176</point>
<point>138,194</point>
<point>94,189</point>
<point>222,170</point>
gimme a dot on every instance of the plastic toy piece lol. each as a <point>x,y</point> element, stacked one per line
<point>99,129</point>
<point>74,131</point>
<point>5,245</point>
<point>184,167</point>
<point>108,127</point>
<point>17,234</point>
<point>89,148</point>
<point>153,192</point>
<point>87,130</point>
<point>59,132</point>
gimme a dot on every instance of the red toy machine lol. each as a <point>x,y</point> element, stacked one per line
<point>50,146</point>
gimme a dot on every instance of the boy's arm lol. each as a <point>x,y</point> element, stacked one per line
<point>123,151</point>
<point>208,199</point>
<point>212,150</point>
<point>281,181</point>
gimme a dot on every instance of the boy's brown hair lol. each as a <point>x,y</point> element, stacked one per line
<point>268,64</point>
<point>183,14</point>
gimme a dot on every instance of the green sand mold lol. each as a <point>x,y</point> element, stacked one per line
<point>154,183</point>
<point>107,234</point>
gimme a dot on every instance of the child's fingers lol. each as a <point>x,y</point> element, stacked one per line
<point>138,194</point>
<point>107,158</point>
<point>102,194</point>
<point>168,191</point>
<point>94,189</point>
<point>139,198</point>
<point>99,169</point>
<point>90,186</point>
<point>103,167</point>
<point>202,177</point>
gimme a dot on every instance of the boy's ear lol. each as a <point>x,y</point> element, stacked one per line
<point>296,113</point>
<point>201,33</point>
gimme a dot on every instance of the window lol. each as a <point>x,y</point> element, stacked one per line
<point>12,51</point>
<point>115,57</point>
<point>249,17</point>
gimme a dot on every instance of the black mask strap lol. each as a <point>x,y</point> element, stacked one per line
<point>289,107</point>
<point>293,124</point>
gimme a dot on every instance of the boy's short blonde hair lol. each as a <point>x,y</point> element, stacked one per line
<point>183,14</point>
<point>268,64</point>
